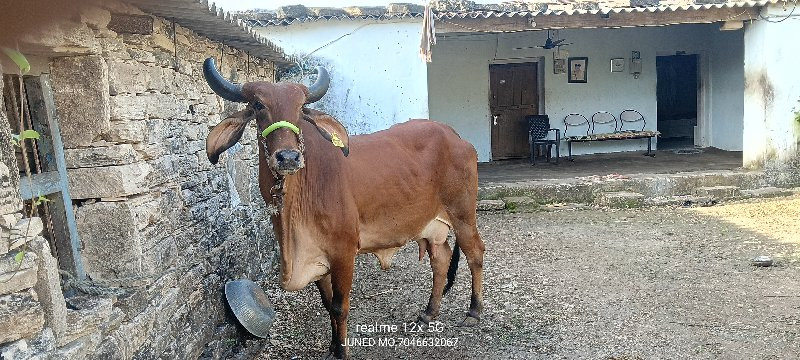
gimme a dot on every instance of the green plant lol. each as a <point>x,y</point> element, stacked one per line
<point>19,139</point>
<point>17,58</point>
<point>41,200</point>
<point>511,207</point>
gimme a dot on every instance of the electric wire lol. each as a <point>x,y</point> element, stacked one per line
<point>791,13</point>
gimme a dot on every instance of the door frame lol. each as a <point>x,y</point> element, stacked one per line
<point>702,134</point>
<point>540,74</point>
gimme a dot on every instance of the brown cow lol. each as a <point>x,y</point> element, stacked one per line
<point>412,182</point>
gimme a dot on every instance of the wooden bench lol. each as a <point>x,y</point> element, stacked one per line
<point>622,129</point>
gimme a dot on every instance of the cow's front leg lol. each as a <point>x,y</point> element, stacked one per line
<point>440,255</point>
<point>341,283</point>
<point>326,293</point>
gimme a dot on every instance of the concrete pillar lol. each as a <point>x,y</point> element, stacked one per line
<point>772,90</point>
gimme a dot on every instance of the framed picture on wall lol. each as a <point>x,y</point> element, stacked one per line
<point>617,65</point>
<point>559,66</point>
<point>577,67</point>
<point>560,62</point>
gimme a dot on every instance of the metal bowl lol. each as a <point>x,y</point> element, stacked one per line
<point>251,306</point>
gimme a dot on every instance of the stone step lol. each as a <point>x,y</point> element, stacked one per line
<point>684,200</point>
<point>722,192</point>
<point>520,203</point>
<point>766,192</point>
<point>491,205</point>
<point>620,199</point>
<point>700,189</point>
<point>585,189</point>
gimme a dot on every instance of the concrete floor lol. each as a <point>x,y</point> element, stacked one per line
<point>626,163</point>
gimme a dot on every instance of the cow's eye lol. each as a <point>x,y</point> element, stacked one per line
<point>258,106</point>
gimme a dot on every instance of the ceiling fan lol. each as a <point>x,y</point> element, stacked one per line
<point>552,44</point>
<point>548,44</point>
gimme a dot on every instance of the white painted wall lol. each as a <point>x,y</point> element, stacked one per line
<point>459,84</point>
<point>726,63</point>
<point>377,76</point>
<point>772,91</point>
<point>458,88</point>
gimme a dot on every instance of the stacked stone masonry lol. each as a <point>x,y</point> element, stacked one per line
<point>153,215</point>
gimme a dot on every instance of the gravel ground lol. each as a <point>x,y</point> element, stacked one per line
<point>654,283</point>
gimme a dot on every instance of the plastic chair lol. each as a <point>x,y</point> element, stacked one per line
<point>538,131</point>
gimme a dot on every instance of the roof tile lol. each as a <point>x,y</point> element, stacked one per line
<point>206,19</point>
<point>463,9</point>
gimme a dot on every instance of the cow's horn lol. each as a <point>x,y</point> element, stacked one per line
<point>222,87</point>
<point>318,89</point>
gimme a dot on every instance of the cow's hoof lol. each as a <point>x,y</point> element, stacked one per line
<point>424,319</point>
<point>470,321</point>
<point>331,356</point>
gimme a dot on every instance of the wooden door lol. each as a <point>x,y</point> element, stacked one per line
<point>513,94</point>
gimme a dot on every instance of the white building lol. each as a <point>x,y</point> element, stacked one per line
<point>712,75</point>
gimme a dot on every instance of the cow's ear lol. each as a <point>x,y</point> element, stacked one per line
<point>227,133</point>
<point>331,129</point>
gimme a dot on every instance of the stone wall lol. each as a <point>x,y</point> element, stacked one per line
<point>153,215</point>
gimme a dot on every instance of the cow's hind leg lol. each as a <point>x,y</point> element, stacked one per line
<point>469,241</point>
<point>440,255</point>
<point>460,203</point>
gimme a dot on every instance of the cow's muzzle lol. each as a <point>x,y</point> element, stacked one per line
<point>288,162</point>
<point>285,161</point>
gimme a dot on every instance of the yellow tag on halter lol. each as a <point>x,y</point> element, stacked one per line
<point>336,141</point>
<point>278,125</point>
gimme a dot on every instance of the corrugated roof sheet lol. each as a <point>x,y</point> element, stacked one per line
<point>289,21</point>
<point>486,13</point>
<point>208,20</point>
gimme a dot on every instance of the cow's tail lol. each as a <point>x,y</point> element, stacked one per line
<point>451,271</point>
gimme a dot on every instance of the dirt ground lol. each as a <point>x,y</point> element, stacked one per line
<point>653,283</point>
